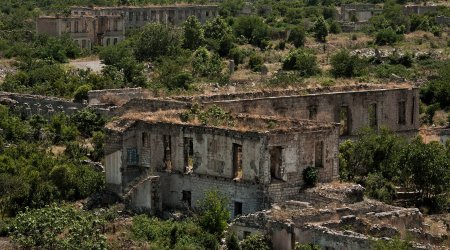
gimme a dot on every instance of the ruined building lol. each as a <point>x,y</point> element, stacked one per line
<point>161,154</point>
<point>108,25</point>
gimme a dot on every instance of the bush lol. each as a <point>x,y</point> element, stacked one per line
<point>255,62</point>
<point>82,93</point>
<point>345,65</point>
<point>253,28</point>
<point>214,213</point>
<point>310,176</point>
<point>297,37</point>
<point>237,55</point>
<point>302,61</point>
<point>156,40</point>
<point>255,242</point>
<point>58,228</point>
<point>308,246</point>
<point>379,188</point>
<point>205,63</point>
<point>320,30</point>
<point>387,37</point>
<point>232,242</point>
<point>335,28</point>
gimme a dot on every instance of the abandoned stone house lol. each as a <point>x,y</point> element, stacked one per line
<point>108,25</point>
<point>86,31</point>
<point>155,160</point>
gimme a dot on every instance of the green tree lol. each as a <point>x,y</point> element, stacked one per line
<point>297,37</point>
<point>302,61</point>
<point>231,7</point>
<point>121,57</point>
<point>345,65</point>
<point>309,246</point>
<point>255,62</point>
<point>82,93</point>
<point>232,241</point>
<point>193,36</point>
<point>320,29</point>
<point>427,167</point>
<point>253,28</point>
<point>205,63</point>
<point>437,91</point>
<point>387,36</point>
<point>156,40</point>
<point>213,212</point>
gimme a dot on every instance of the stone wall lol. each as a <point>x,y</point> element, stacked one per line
<point>327,107</point>
<point>443,20</point>
<point>38,105</point>
<point>115,96</point>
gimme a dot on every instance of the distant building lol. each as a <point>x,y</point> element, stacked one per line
<point>108,25</point>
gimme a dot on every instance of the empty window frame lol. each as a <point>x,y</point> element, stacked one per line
<point>115,41</point>
<point>108,41</point>
<point>145,140</point>
<point>83,44</point>
<point>413,109</point>
<point>344,120</point>
<point>138,16</point>
<point>276,161</point>
<point>318,154</point>
<point>68,27</point>
<point>237,161</point>
<point>167,152</point>
<point>312,112</point>
<point>145,15</point>
<point>116,25</point>
<point>76,27</point>
<point>373,116</point>
<point>188,148</point>
<point>186,197</point>
<point>237,208</point>
<point>402,112</point>
<point>130,16</point>
<point>132,157</point>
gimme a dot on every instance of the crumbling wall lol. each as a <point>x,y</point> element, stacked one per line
<point>38,105</point>
<point>327,107</point>
<point>110,96</point>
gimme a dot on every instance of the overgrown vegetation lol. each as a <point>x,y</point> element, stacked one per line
<point>382,160</point>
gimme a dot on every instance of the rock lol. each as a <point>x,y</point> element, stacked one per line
<point>355,194</point>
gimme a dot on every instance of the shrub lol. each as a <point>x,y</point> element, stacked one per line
<point>253,28</point>
<point>302,61</point>
<point>255,62</point>
<point>255,242</point>
<point>310,176</point>
<point>345,65</point>
<point>320,30</point>
<point>214,213</point>
<point>379,188</point>
<point>82,93</point>
<point>205,63</point>
<point>387,37</point>
<point>297,37</point>
<point>335,28</point>
<point>156,40</point>
<point>193,36</point>
<point>58,228</point>
<point>232,242</point>
<point>237,55</point>
<point>307,246</point>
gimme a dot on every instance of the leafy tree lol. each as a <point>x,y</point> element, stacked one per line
<point>217,28</point>
<point>87,121</point>
<point>205,63</point>
<point>231,7</point>
<point>437,91</point>
<point>171,73</point>
<point>253,28</point>
<point>193,36</point>
<point>345,65</point>
<point>320,29</point>
<point>427,166</point>
<point>156,40</point>
<point>297,37</point>
<point>255,242</point>
<point>335,28</point>
<point>121,57</point>
<point>213,212</point>
<point>302,61</point>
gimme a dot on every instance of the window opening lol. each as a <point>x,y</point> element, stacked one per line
<point>318,154</point>
<point>237,208</point>
<point>237,161</point>
<point>373,119</point>
<point>402,112</point>
<point>167,152</point>
<point>187,197</point>
<point>344,120</point>
<point>276,162</point>
<point>188,154</point>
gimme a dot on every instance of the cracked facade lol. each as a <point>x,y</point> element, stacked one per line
<point>256,160</point>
